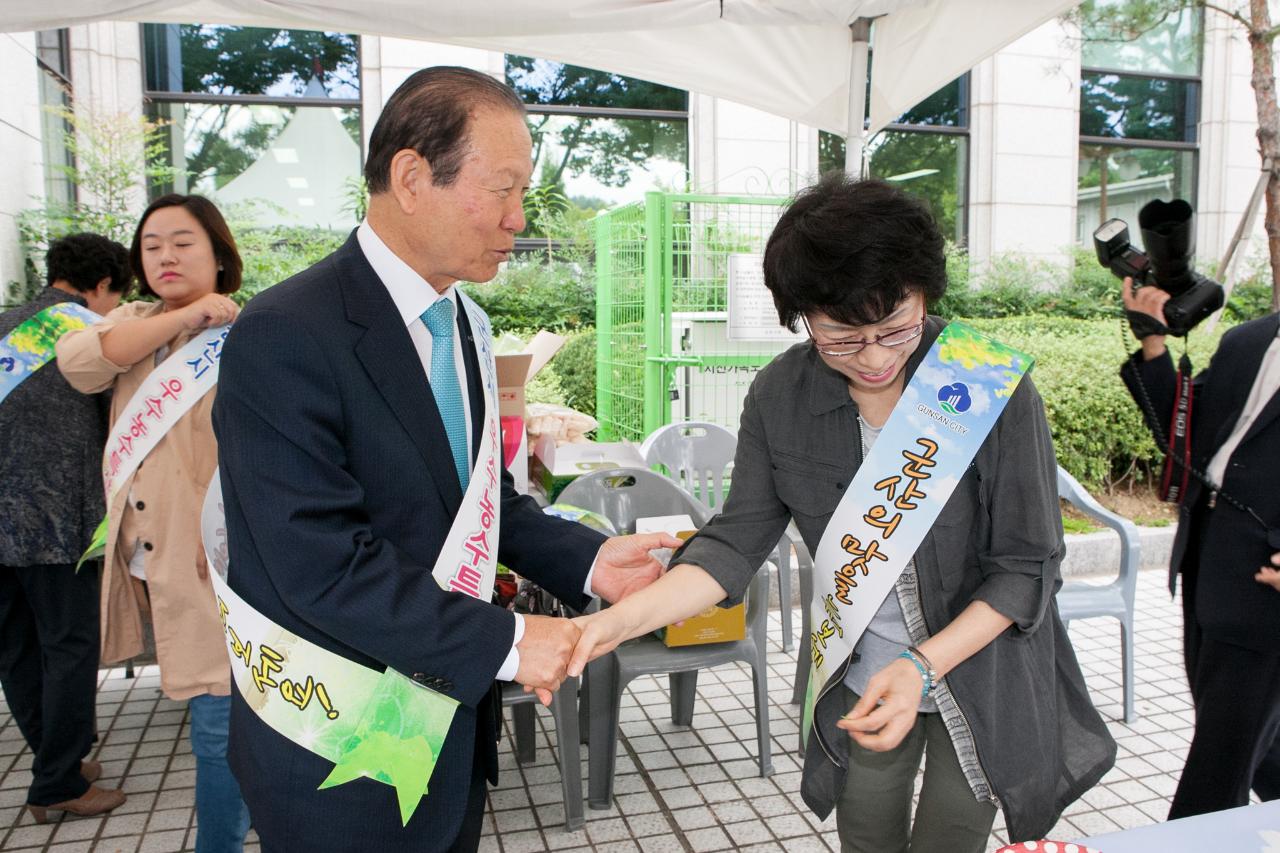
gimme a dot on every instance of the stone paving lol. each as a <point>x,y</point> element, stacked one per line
<point>676,789</point>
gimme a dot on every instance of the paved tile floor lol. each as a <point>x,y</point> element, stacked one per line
<point>677,789</point>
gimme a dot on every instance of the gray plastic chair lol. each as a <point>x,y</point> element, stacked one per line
<point>564,710</point>
<point>622,495</point>
<point>1080,600</point>
<point>696,455</point>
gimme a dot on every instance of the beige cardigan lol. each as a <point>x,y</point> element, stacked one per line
<point>168,490</point>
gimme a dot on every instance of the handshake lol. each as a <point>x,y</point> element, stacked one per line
<point>553,648</point>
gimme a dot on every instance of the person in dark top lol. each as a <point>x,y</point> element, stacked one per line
<point>50,502</point>
<point>1226,548</point>
<point>1005,720</point>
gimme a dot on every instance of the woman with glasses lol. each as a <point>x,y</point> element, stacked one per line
<point>998,708</point>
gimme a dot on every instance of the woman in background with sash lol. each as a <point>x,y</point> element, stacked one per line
<point>154,564</point>
<point>968,663</point>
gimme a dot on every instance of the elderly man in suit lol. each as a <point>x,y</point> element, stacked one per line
<point>1228,539</point>
<point>353,402</point>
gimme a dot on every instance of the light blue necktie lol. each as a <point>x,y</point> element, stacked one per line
<point>444,384</point>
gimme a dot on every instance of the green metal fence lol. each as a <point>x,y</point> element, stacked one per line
<point>661,311</point>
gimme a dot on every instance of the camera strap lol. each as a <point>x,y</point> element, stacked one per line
<point>1173,484</point>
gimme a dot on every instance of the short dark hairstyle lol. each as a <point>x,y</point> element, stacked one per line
<point>82,260</point>
<point>431,114</point>
<point>853,250</point>
<point>210,218</point>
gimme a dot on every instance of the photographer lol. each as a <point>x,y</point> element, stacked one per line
<point>1227,541</point>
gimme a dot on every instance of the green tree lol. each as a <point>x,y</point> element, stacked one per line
<point>1123,22</point>
<point>113,156</point>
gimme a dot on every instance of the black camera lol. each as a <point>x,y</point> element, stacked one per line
<point>1167,234</point>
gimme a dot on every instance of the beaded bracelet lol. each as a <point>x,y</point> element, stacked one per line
<point>928,675</point>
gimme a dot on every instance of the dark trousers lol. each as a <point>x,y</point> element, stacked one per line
<point>49,670</point>
<point>1236,692</point>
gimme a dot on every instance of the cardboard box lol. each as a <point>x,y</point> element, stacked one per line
<point>514,371</point>
<point>555,467</point>
<point>713,625</point>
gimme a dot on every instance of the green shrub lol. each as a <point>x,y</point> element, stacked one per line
<point>1015,286</point>
<point>271,255</point>
<point>575,366</point>
<point>1098,431</point>
<point>531,294</point>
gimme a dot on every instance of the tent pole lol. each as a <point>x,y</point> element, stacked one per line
<point>860,32</point>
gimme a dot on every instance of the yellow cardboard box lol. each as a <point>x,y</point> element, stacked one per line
<point>713,625</point>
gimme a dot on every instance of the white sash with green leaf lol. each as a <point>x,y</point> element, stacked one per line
<point>933,433</point>
<point>29,346</point>
<point>170,391</point>
<point>369,723</point>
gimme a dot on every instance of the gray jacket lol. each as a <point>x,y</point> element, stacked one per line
<point>1018,711</point>
<point>51,467</point>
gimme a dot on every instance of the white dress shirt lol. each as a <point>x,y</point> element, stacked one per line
<point>1265,386</point>
<point>413,295</point>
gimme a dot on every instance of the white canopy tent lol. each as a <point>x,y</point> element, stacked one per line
<point>802,59</point>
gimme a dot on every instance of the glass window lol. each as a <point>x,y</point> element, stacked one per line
<point>541,82</point>
<point>599,139</point>
<point>930,166</point>
<point>1171,46</point>
<point>1139,110</point>
<point>601,162</point>
<point>55,102</point>
<point>1120,106</point>
<point>947,107</point>
<point>294,165</point>
<point>225,60</point>
<point>1117,182</point>
<point>51,49</point>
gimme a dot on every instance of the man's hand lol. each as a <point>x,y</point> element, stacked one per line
<point>544,650</point>
<point>886,713</point>
<point>1149,301</point>
<point>624,564</point>
<point>1268,575</point>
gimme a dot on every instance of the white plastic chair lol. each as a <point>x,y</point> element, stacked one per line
<point>622,495</point>
<point>1081,600</point>
<point>696,455</point>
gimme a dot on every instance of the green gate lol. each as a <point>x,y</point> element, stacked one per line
<point>664,354</point>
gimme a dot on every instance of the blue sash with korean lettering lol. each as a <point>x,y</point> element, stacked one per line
<point>29,346</point>
<point>371,724</point>
<point>933,433</point>
<point>168,393</point>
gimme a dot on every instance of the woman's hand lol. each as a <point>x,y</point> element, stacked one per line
<point>602,632</point>
<point>1268,575</point>
<point>212,309</point>
<point>887,711</point>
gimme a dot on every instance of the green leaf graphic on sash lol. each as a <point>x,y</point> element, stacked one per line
<point>97,545</point>
<point>806,710</point>
<point>397,740</point>
<point>41,332</point>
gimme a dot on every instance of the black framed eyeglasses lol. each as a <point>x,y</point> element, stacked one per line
<point>839,349</point>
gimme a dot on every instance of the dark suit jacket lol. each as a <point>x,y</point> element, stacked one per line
<point>51,466</point>
<point>1229,603</point>
<point>339,489</point>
